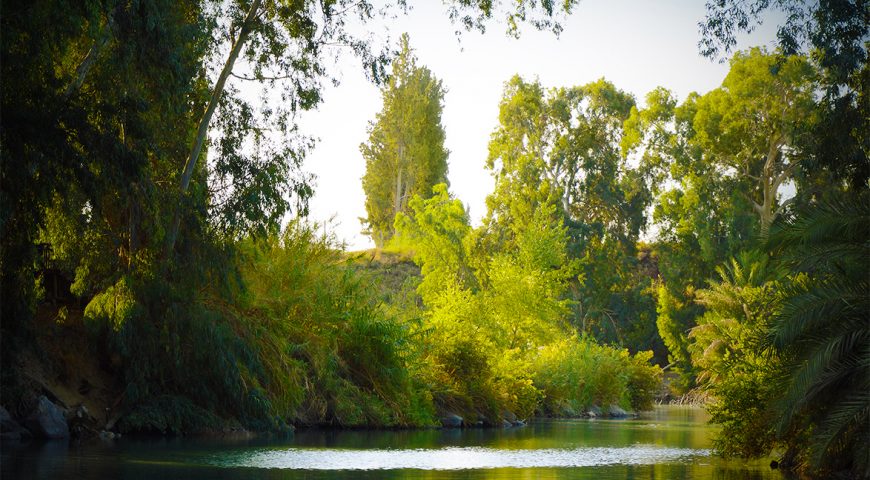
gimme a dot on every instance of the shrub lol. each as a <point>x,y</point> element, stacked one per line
<point>577,373</point>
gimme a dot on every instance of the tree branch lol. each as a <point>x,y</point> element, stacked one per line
<point>91,58</point>
<point>263,77</point>
<point>783,175</point>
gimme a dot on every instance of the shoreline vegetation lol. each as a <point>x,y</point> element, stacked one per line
<point>90,390</point>
<point>159,274</point>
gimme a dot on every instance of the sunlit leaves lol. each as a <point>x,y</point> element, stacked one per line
<point>405,154</point>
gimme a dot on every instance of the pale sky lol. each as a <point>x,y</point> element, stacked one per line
<point>636,44</point>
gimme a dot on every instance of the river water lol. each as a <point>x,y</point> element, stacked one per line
<point>669,443</point>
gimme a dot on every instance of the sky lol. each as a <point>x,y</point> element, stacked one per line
<point>637,45</point>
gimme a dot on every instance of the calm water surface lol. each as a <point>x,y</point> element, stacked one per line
<point>669,443</point>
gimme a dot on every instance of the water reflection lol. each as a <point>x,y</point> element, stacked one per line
<point>671,443</point>
<point>464,458</point>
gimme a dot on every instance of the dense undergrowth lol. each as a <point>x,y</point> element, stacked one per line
<point>307,339</point>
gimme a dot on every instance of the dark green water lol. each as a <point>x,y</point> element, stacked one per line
<point>669,443</point>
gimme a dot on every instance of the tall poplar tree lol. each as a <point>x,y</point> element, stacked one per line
<point>405,154</point>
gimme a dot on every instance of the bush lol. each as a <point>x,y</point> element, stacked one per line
<point>576,373</point>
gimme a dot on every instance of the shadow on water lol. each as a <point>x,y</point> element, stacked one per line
<point>670,443</point>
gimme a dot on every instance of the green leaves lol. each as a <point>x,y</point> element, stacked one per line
<point>405,154</point>
<point>822,334</point>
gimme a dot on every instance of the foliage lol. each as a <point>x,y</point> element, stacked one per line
<point>352,361</point>
<point>169,414</point>
<point>783,345</point>
<point>741,408</point>
<point>793,369</point>
<point>576,373</point>
<point>754,126</point>
<point>107,107</point>
<point>834,34</point>
<point>821,333</point>
<point>726,348</point>
<point>726,339</point>
<point>496,334</point>
<point>562,147</point>
<point>722,161</point>
<point>405,154</point>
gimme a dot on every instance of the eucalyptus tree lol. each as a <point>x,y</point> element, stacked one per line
<point>180,64</point>
<point>833,34</point>
<point>109,109</point>
<point>563,146</point>
<point>720,164</point>
<point>755,125</point>
<point>289,44</point>
<point>405,154</point>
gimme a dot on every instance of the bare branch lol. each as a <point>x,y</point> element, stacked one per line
<point>261,78</point>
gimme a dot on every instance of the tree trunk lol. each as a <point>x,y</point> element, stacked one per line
<point>91,58</point>
<point>770,184</point>
<point>204,122</point>
<point>397,195</point>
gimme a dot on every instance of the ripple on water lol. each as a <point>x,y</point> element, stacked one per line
<point>454,458</point>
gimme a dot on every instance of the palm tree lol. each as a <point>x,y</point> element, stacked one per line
<point>822,333</point>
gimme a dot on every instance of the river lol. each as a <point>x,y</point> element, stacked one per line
<point>669,443</point>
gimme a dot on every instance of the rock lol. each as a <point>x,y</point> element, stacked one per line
<point>10,429</point>
<point>595,411</point>
<point>519,423</point>
<point>47,420</point>
<point>509,416</point>
<point>107,436</point>
<point>82,412</point>
<point>591,414</point>
<point>616,412</point>
<point>451,420</point>
<point>506,424</point>
<point>6,422</point>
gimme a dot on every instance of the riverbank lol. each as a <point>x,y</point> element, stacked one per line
<point>63,366</point>
<point>669,442</point>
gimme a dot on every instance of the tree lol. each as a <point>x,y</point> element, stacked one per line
<point>85,135</point>
<point>405,154</point>
<point>288,44</point>
<point>822,334</point>
<point>563,146</point>
<point>723,158</point>
<point>834,34</point>
<point>754,126</point>
<point>109,109</point>
<point>163,52</point>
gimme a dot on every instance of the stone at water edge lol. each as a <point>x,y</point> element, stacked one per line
<point>451,420</point>
<point>9,428</point>
<point>616,412</point>
<point>47,420</point>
